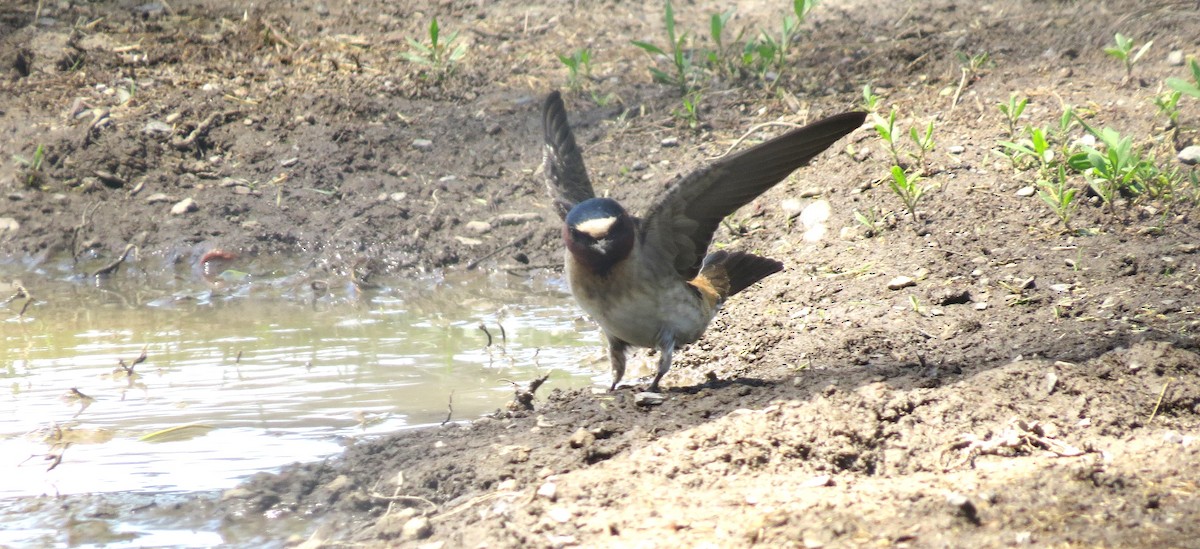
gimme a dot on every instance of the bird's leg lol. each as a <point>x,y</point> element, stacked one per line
<point>616,356</point>
<point>666,347</point>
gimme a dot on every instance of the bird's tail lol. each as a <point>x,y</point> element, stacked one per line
<point>731,272</point>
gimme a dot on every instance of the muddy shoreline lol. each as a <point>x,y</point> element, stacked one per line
<point>1028,384</point>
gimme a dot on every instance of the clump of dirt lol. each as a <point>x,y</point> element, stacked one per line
<point>975,374</point>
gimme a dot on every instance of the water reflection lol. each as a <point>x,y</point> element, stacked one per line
<point>275,371</point>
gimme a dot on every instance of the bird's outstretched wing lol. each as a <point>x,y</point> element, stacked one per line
<point>566,177</point>
<point>680,225</point>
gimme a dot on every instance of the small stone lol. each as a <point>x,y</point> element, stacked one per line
<point>516,218</point>
<point>1175,58</point>
<point>818,481</point>
<point>1026,191</point>
<point>422,144</point>
<point>638,165</point>
<point>812,192</point>
<point>184,206</point>
<point>950,296</point>
<point>963,507</point>
<point>670,142</point>
<point>1049,384</point>
<point>791,207</point>
<point>416,528</point>
<point>155,128</point>
<point>289,162</point>
<point>956,149</point>
<point>646,398</point>
<point>479,227</point>
<point>8,225</point>
<point>159,197</point>
<point>1062,288</point>
<point>581,438</point>
<point>982,305</point>
<point>548,491</point>
<point>1190,154</point>
<point>559,514</point>
<point>900,282</point>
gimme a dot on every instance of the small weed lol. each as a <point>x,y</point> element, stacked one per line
<point>906,187</point>
<point>1012,112</point>
<point>1123,51</point>
<point>1168,106</point>
<point>439,54</point>
<point>682,63</point>
<point>717,26</point>
<point>1059,196</point>
<point>970,67</point>
<point>1036,148</point>
<point>923,142</point>
<point>886,128</point>
<point>870,100</point>
<point>873,220</point>
<point>32,166</point>
<point>1183,86</point>
<point>579,68</point>
<point>689,111</point>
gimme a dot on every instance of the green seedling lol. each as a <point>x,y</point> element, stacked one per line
<point>1012,112</point>
<point>689,111</point>
<point>681,62</point>
<point>887,132</point>
<point>923,141</point>
<point>907,188</point>
<point>1059,196</point>
<point>791,23</point>
<point>1037,148</point>
<point>718,24</point>
<point>439,54</point>
<point>970,66</point>
<point>1183,86</point>
<point>1066,122</point>
<point>873,220</point>
<point>1168,106</point>
<point>1123,51</point>
<point>1118,168</point>
<point>32,166</point>
<point>579,67</point>
<point>870,100</point>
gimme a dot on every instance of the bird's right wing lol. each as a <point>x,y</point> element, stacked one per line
<point>566,177</point>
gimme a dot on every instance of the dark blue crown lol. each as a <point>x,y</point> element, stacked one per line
<point>594,208</point>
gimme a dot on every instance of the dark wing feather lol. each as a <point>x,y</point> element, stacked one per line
<point>566,177</point>
<point>680,226</point>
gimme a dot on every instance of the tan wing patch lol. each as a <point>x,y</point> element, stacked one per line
<point>709,292</point>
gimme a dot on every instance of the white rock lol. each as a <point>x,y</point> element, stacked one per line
<point>1190,154</point>
<point>791,207</point>
<point>422,144</point>
<point>416,528</point>
<point>548,491</point>
<point>479,227</point>
<point>8,225</point>
<point>184,206</point>
<point>670,142</point>
<point>956,149</point>
<point>901,282</point>
<point>1026,191</point>
<point>647,398</point>
<point>1175,58</point>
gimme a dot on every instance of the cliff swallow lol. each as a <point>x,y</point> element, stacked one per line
<point>647,281</point>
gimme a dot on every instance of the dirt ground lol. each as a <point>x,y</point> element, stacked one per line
<point>1032,386</point>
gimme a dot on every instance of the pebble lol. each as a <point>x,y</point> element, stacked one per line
<point>647,398</point>
<point>397,197</point>
<point>416,528</point>
<point>1026,191</point>
<point>559,514</point>
<point>159,197</point>
<point>155,128</point>
<point>1062,288</point>
<point>516,218</point>
<point>791,207</point>
<point>1190,154</point>
<point>638,165</point>
<point>1175,58</point>
<point>289,162</point>
<point>956,149</point>
<point>422,144</point>
<point>479,227</point>
<point>184,206</point>
<point>8,225</point>
<point>900,282</point>
<point>811,192</point>
<point>548,491</point>
<point>582,438</point>
<point>670,142</point>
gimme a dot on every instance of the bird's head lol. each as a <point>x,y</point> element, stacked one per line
<point>599,233</point>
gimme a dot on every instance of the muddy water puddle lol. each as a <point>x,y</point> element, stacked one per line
<point>246,373</point>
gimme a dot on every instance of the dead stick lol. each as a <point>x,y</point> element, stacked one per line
<point>518,240</point>
<point>112,267</point>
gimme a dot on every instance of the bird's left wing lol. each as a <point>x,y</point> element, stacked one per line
<point>680,225</point>
<point>566,177</point>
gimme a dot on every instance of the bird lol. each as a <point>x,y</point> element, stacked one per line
<point>649,281</point>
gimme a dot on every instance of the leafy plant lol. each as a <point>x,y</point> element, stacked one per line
<point>32,166</point>
<point>886,128</point>
<point>970,67</point>
<point>1059,196</point>
<point>1037,148</point>
<point>579,67</point>
<point>717,26</point>
<point>689,111</point>
<point>1168,106</point>
<point>923,142</point>
<point>870,100</point>
<point>681,62</point>
<point>1012,111</point>
<point>1118,168</point>
<point>906,187</point>
<point>1123,51</point>
<point>1183,86</point>
<point>439,54</point>
<point>873,220</point>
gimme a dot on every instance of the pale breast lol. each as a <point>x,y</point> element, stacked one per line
<point>636,307</point>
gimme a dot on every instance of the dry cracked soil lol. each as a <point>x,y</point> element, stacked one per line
<point>1025,384</point>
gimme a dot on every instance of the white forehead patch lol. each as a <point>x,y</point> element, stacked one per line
<point>596,228</point>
